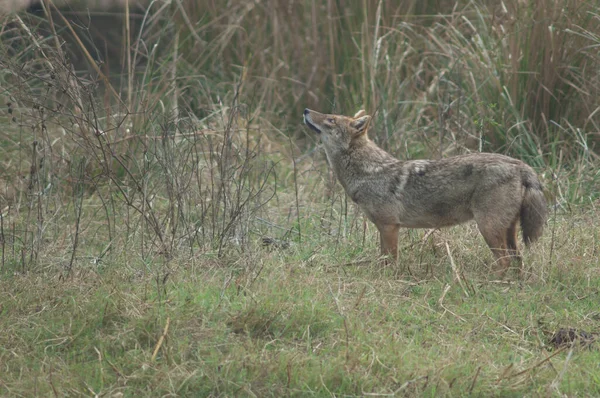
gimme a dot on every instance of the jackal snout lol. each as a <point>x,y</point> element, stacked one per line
<point>309,120</point>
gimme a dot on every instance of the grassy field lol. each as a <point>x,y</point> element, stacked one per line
<point>310,320</point>
<point>169,228</point>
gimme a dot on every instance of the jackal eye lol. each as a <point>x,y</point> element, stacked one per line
<point>331,120</point>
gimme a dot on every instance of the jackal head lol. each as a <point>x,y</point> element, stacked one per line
<point>338,132</point>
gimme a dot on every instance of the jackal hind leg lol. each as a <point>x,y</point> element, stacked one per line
<point>512,243</point>
<point>495,236</point>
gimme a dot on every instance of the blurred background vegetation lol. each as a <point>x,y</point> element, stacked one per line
<point>518,76</point>
<point>108,99</point>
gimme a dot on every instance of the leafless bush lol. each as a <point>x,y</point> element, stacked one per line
<point>163,180</point>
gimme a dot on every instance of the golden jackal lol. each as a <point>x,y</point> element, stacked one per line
<point>495,190</point>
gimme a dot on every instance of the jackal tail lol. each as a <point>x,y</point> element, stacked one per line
<point>533,209</point>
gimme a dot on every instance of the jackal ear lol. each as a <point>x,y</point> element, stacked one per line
<point>360,113</point>
<point>361,124</point>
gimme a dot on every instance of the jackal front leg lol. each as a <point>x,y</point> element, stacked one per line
<point>389,240</point>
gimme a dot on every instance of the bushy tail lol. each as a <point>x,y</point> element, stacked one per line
<point>533,209</point>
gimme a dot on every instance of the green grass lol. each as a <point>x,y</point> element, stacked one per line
<point>285,322</point>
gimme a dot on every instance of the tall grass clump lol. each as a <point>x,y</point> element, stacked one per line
<point>443,78</point>
<point>502,76</point>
